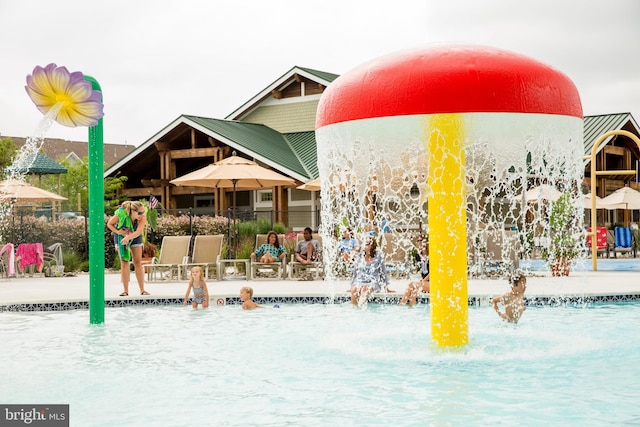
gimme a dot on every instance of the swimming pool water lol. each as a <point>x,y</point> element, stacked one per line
<point>324,365</point>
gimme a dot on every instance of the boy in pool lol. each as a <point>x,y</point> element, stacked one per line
<point>513,301</point>
<point>246,293</point>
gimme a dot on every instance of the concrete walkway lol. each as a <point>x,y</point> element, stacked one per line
<point>32,290</point>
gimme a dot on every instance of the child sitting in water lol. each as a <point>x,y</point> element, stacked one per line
<point>200,291</point>
<point>513,301</point>
<point>246,293</point>
<point>413,289</point>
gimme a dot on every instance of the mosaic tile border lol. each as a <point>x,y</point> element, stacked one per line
<point>475,301</point>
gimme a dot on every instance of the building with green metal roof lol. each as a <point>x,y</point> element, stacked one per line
<point>276,129</point>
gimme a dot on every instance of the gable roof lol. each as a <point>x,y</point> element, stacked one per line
<point>595,126</point>
<point>266,145</point>
<point>320,76</point>
<point>38,163</point>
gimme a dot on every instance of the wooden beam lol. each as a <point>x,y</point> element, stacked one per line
<point>616,172</point>
<point>195,153</point>
<point>162,146</point>
<point>616,151</point>
<point>276,94</point>
<point>141,192</point>
<point>179,191</point>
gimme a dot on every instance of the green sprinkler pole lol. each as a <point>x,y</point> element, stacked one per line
<point>96,218</point>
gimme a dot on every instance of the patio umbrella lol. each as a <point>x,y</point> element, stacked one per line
<point>623,198</point>
<point>20,191</point>
<point>599,205</point>
<point>233,172</point>
<point>542,192</point>
<point>313,185</point>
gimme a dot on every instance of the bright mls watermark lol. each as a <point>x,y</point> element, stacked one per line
<point>34,415</point>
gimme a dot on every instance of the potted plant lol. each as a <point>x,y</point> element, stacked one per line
<point>290,242</point>
<point>563,243</point>
<point>149,250</point>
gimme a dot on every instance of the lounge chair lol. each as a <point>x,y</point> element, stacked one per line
<point>206,254</point>
<point>268,270</point>
<point>29,255</point>
<point>624,241</point>
<point>602,241</point>
<point>300,270</point>
<point>173,253</point>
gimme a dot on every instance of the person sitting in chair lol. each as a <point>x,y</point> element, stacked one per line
<point>348,246</point>
<point>308,251</point>
<point>270,251</point>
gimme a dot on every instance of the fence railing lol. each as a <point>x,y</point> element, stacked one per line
<point>291,218</point>
<point>19,229</point>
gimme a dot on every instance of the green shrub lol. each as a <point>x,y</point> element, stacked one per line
<point>263,226</point>
<point>181,226</point>
<point>245,248</point>
<point>247,228</point>
<point>29,229</point>
<point>71,261</point>
<point>210,225</point>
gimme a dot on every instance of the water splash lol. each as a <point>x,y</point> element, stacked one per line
<point>22,162</point>
<point>374,178</point>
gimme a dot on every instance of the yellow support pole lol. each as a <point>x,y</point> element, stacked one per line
<point>447,231</point>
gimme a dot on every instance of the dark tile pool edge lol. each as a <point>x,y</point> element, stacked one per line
<point>475,301</point>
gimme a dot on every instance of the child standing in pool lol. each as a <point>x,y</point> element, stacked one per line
<point>200,291</point>
<point>513,301</point>
<point>246,293</point>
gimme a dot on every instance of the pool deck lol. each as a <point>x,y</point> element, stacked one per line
<point>31,291</point>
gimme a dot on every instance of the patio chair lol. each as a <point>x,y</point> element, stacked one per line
<point>29,255</point>
<point>206,254</point>
<point>267,270</point>
<point>602,241</point>
<point>7,261</point>
<point>173,253</point>
<point>502,252</point>
<point>396,255</point>
<point>300,270</point>
<point>625,241</point>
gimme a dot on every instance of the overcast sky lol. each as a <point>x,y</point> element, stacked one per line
<point>156,60</point>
